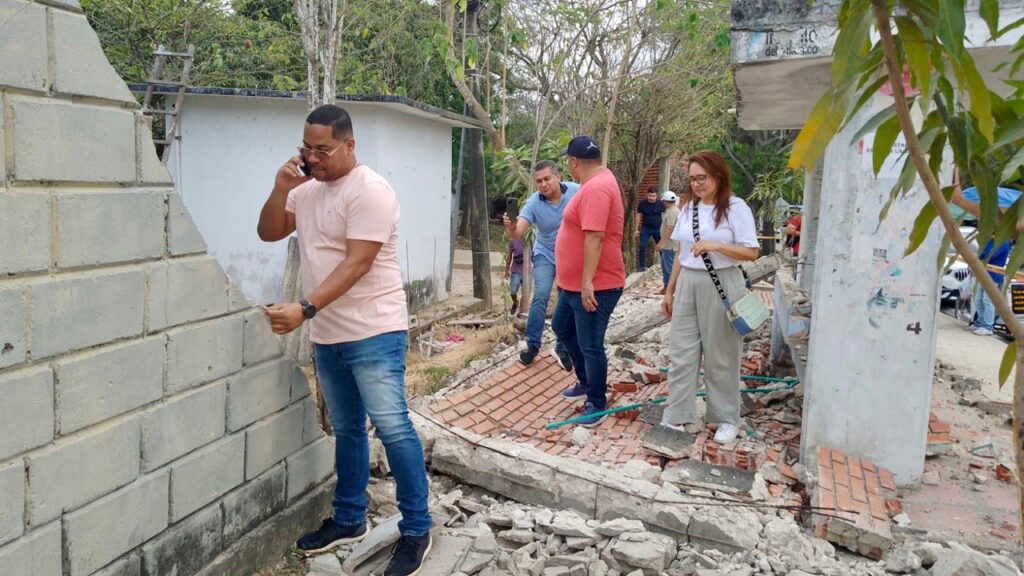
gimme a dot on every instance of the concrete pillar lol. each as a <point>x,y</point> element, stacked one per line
<point>664,173</point>
<point>809,227</point>
<point>872,345</point>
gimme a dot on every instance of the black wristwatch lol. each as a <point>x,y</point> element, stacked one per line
<point>308,310</point>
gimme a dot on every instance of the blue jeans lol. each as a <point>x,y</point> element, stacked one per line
<point>515,282</point>
<point>582,334</point>
<point>985,311</point>
<point>367,377</point>
<point>543,280</point>
<point>668,258</point>
<point>646,234</point>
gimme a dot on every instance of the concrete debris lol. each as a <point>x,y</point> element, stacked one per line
<point>569,523</point>
<point>692,473</point>
<point>902,561</point>
<point>931,478</point>
<point>959,560</point>
<point>618,526</point>
<point>725,529</point>
<point>650,553</point>
<point>641,470</point>
<point>324,565</point>
<point>580,436</point>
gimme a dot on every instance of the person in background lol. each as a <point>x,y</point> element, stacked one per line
<point>969,200</point>
<point>542,209</point>
<point>514,271</point>
<point>648,224</point>
<point>793,233</point>
<point>668,247</point>
<point>591,275</point>
<point>700,326</point>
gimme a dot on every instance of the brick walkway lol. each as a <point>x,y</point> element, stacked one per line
<point>518,402</point>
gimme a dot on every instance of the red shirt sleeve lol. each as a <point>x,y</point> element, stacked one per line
<point>594,209</point>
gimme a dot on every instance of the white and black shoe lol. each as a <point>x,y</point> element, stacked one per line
<point>408,555</point>
<point>329,536</point>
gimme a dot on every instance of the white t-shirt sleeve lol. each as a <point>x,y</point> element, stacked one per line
<point>743,226</point>
<point>684,219</point>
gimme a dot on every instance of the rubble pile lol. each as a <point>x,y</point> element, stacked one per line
<point>482,534</point>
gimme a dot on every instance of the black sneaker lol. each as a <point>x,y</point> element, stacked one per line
<point>407,556</point>
<point>563,358</point>
<point>330,535</point>
<point>527,356</point>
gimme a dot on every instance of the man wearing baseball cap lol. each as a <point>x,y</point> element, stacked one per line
<point>667,246</point>
<point>590,273</point>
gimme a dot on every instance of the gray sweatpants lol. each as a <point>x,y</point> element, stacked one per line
<point>700,327</point>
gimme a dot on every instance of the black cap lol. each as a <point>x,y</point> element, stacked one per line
<point>582,147</point>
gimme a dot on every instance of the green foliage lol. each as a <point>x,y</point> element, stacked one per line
<point>958,111</point>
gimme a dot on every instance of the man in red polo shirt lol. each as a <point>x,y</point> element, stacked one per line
<point>590,273</point>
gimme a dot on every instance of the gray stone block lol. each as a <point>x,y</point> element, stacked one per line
<point>271,440</point>
<point>260,342</point>
<point>12,504</point>
<point>309,467</point>
<point>26,413</point>
<point>97,385</point>
<point>36,554</point>
<point>3,157</point>
<point>300,384</point>
<point>310,422</point>
<point>185,290</point>
<point>150,170</point>
<point>23,51</point>
<point>100,460</point>
<point>186,547</point>
<point>206,474</point>
<point>25,216</point>
<point>130,565</point>
<point>69,4</point>
<point>85,143</point>
<point>268,542</point>
<point>84,227</point>
<point>237,300</point>
<point>183,424</point>
<point>106,529</point>
<point>201,353</point>
<point>258,392</point>
<point>79,65</point>
<point>74,312</point>
<point>254,502</point>
<point>182,235</point>
<point>14,328</point>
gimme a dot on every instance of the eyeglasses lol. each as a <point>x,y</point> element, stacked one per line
<point>699,179</point>
<point>321,154</point>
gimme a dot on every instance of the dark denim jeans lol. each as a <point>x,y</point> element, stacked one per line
<point>646,234</point>
<point>367,377</point>
<point>582,334</point>
<point>668,258</point>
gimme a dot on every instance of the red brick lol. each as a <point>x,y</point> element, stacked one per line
<point>842,477</point>
<point>465,423</point>
<point>857,490</point>
<point>886,479</point>
<point>932,417</point>
<point>868,466</point>
<point>844,500</point>
<point>877,508</point>
<point>939,427</point>
<point>826,498</point>
<point>940,438</point>
<point>775,490</point>
<point>838,457</point>
<point>893,506</point>
<point>484,427</point>
<point>626,387</point>
<point>871,483</point>
<point>825,479</point>
<point>824,458</point>
<point>464,408</point>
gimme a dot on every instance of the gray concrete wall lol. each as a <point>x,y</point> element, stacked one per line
<point>145,403</point>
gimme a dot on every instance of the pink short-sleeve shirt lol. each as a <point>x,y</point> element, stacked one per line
<point>359,206</point>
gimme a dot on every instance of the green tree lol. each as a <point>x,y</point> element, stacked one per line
<point>923,42</point>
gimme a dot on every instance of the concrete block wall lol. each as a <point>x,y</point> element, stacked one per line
<point>148,420</point>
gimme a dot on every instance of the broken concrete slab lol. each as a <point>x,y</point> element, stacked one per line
<point>651,553</point>
<point>669,442</point>
<point>695,474</point>
<point>445,552</point>
<point>568,523</point>
<point>725,529</point>
<point>473,562</point>
<point>324,565</point>
<point>382,536</point>
<point>616,527</point>
<point>652,413</point>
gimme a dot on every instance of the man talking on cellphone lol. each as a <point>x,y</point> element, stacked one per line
<point>346,217</point>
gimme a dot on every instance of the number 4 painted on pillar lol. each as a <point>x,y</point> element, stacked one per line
<point>915,327</point>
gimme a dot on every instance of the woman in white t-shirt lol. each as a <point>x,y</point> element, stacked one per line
<point>700,326</point>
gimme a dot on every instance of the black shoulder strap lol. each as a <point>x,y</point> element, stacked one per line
<point>706,258</point>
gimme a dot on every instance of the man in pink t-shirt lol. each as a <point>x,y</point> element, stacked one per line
<point>590,273</point>
<point>346,219</point>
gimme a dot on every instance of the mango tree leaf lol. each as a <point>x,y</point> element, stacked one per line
<point>922,224</point>
<point>852,43</point>
<point>1012,166</point>
<point>952,25</point>
<point>885,137</point>
<point>917,54</point>
<point>981,102</point>
<point>866,95</point>
<point>875,121</point>
<point>1006,365</point>
<point>818,130</point>
<point>1008,133</point>
<point>989,12</point>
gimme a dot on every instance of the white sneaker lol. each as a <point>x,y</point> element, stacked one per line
<point>981,331</point>
<point>726,433</point>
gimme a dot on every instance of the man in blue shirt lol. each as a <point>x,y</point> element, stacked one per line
<point>543,209</point>
<point>969,200</point>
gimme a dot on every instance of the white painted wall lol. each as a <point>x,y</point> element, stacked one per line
<point>872,346</point>
<point>231,147</point>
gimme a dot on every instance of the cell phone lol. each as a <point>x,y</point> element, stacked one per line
<point>305,169</point>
